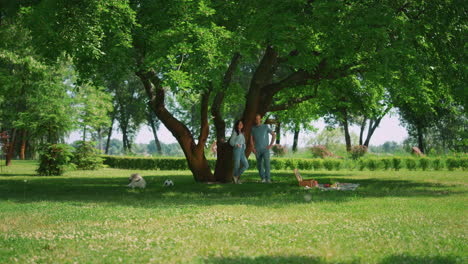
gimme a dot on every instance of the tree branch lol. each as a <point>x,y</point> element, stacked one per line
<point>220,125</point>
<point>205,128</point>
<point>292,102</point>
<point>156,95</point>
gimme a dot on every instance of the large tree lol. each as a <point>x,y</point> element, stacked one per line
<point>37,106</point>
<point>194,48</point>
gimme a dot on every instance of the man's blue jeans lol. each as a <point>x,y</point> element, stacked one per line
<point>263,163</point>
<point>240,159</point>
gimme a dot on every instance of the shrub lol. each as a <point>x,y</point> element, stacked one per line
<point>358,151</point>
<point>411,164</point>
<point>396,163</point>
<point>387,163</point>
<point>86,156</point>
<point>452,163</point>
<point>328,164</point>
<point>317,164</point>
<point>424,163</point>
<point>372,164</point>
<point>337,164</point>
<point>464,163</point>
<point>321,152</point>
<point>437,164</point>
<point>54,159</point>
<point>279,150</point>
<point>304,164</point>
<point>362,165</point>
<point>277,164</point>
<point>291,164</point>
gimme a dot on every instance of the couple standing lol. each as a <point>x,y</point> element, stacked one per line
<point>261,148</point>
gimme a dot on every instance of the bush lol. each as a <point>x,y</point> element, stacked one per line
<point>424,163</point>
<point>358,151</point>
<point>452,163</point>
<point>337,164</point>
<point>372,164</point>
<point>54,159</point>
<point>304,164</point>
<point>411,164</point>
<point>328,164</point>
<point>361,165</point>
<point>291,164</point>
<point>387,163</point>
<point>279,150</point>
<point>321,152</point>
<point>277,164</point>
<point>464,163</point>
<point>317,164</point>
<point>86,156</point>
<point>437,164</point>
<point>396,163</point>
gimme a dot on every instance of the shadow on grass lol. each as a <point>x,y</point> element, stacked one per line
<point>272,260</point>
<point>113,191</point>
<point>405,259</point>
<point>400,259</point>
<point>17,174</point>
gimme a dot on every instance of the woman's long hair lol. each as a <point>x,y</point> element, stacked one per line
<point>236,127</point>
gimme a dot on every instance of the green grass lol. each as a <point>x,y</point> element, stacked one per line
<point>91,217</point>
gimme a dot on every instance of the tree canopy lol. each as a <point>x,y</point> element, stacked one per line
<point>266,56</point>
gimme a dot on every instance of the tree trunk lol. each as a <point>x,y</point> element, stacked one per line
<point>84,133</point>
<point>11,149</point>
<point>23,145</point>
<point>194,153</point>
<point>346,130</point>
<point>296,138</point>
<point>224,162</point>
<point>420,139</point>
<point>224,168</point>
<point>278,132</point>
<point>152,124</point>
<point>373,124</point>
<point>109,135</point>
<point>361,133</point>
<point>126,144</point>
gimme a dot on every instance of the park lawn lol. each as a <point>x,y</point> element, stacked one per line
<point>91,217</point>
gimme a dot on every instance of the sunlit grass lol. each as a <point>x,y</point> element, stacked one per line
<point>91,217</point>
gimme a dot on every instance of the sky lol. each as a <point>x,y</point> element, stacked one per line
<point>389,129</point>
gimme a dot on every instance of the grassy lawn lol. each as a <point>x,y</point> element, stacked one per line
<point>91,217</point>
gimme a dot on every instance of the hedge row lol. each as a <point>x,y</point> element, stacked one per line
<point>394,163</point>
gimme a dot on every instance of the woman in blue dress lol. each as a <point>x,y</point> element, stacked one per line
<point>237,141</point>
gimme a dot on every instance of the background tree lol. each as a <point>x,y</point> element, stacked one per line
<point>93,106</point>
<point>37,108</point>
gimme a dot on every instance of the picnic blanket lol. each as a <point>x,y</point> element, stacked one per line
<point>341,186</point>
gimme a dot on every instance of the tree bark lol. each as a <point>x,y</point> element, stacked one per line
<point>224,167</point>
<point>23,145</point>
<point>420,139</point>
<point>361,133</point>
<point>152,124</point>
<point>109,135</point>
<point>194,153</point>
<point>126,142</point>
<point>278,132</point>
<point>373,126</point>
<point>296,138</point>
<point>84,133</point>
<point>11,148</point>
<point>346,130</point>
